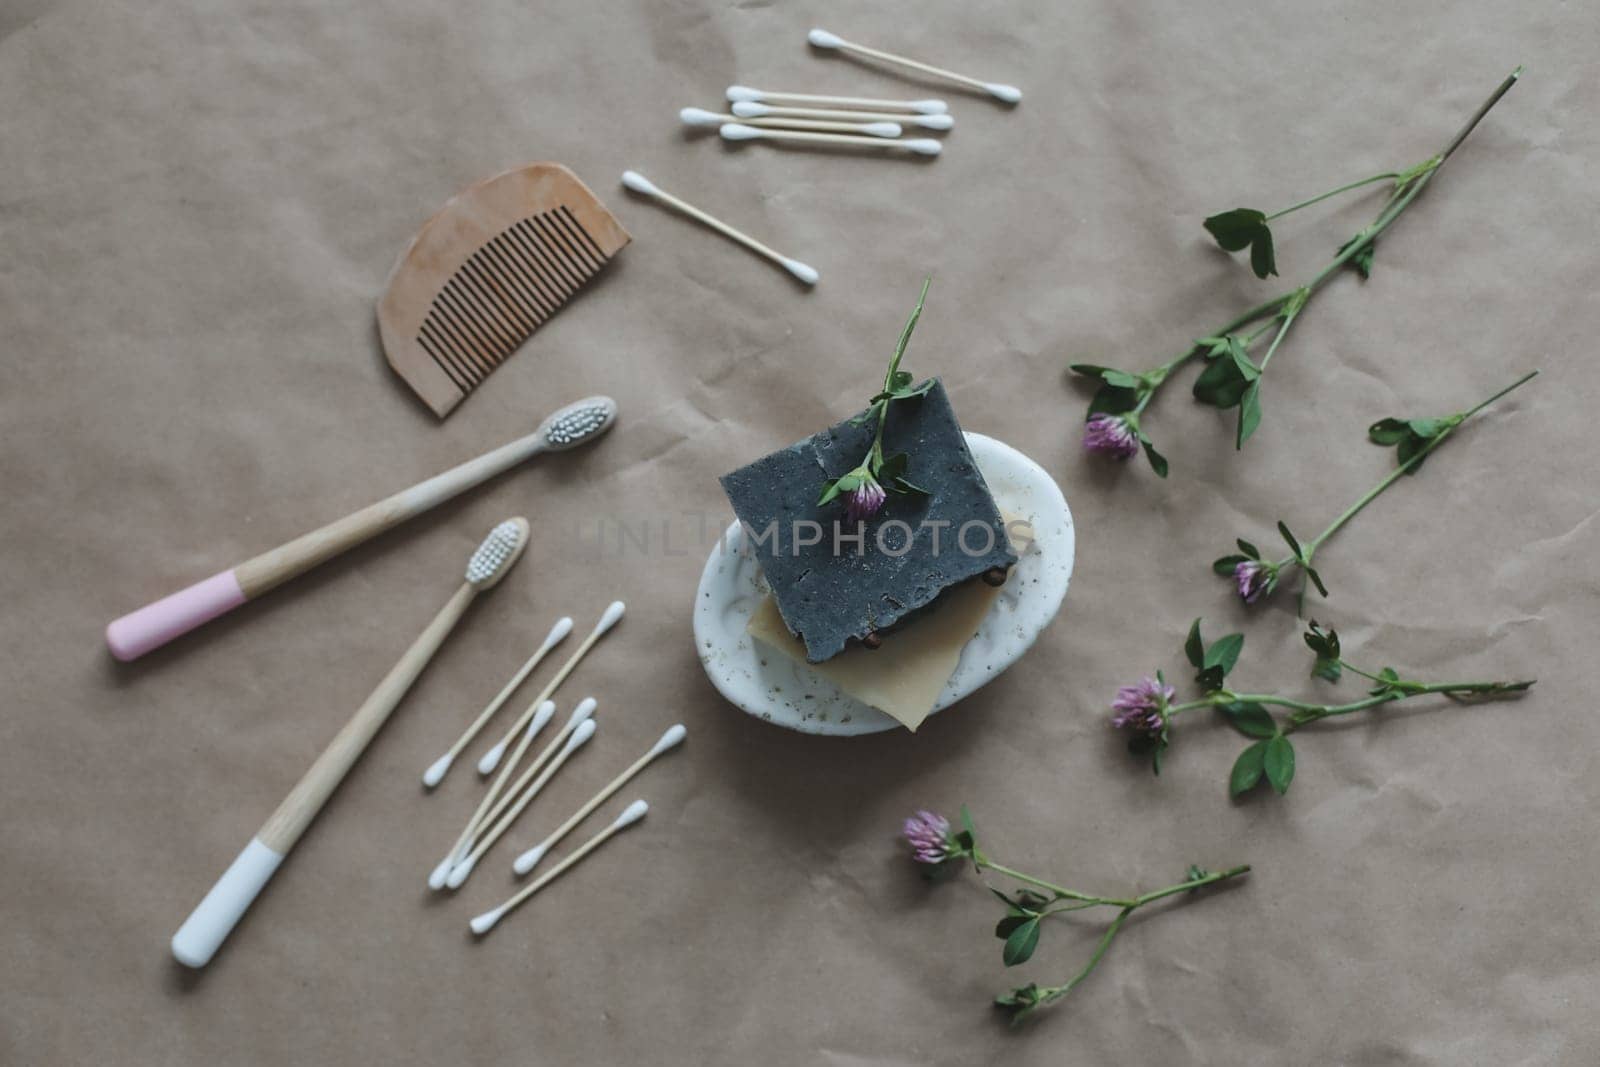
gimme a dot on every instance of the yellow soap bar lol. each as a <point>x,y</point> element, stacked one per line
<point>906,674</point>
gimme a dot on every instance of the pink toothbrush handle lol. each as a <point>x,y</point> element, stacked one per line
<point>155,624</point>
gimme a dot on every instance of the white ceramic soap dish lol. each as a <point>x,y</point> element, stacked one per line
<point>775,688</point>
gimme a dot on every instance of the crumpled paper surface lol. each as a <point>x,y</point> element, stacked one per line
<point>198,206</point>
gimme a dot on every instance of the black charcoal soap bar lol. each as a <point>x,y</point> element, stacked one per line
<point>831,585</point>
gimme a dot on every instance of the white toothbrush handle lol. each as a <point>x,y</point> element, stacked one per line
<point>214,917</point>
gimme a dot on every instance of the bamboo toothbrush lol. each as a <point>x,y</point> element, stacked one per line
<point>214,918</point>
<point>155,624</point>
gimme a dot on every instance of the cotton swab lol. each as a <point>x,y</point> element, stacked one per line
<point>613,614</point>
<point>526,862</point>
<point>436,771</point>
<point>834,43</point>
<point>640,184</point>
<point>460,871</point>
<point>758,114</point>
<point>463,841</point>
<point>694,116</point>
<point>923,146</point>
<point>736,93</point>
<point>632,814</point>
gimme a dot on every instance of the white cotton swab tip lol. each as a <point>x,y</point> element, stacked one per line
<point>1009,93</point>
<point>824,39</point>
<point>881,129</point>
<point>441,874</point>
<point>743,92</point>
<point>923,146</point>
<point>458,873</point>
<point>612,616</point>
<point>482,924</point>
<point>584,731</point>
<point>674,736</point>
<point>542,717</point>
<point>800,270</point>
<point>435,773</point>
<point>936,122</point>
<point>738,131</point>
<point>928,107</point>
<point>528,860</point>
<point>631,814</point>
<point>697,116</point>
<point>749,109</point>
<point>558,632</point>
<point>639,183</point>
<point>491,759</point>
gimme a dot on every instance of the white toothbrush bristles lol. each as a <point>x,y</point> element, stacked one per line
<point>436,772</point>
<point>671,739</point>
<point>834,43</point>
<point>922,146</point>
<point>644,186</point>
<point>482,924</point>
<point>737,93</point>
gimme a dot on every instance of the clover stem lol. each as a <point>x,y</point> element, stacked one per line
<point>985,862</point>
<point>1288,320</point>
<point>1333,192</point>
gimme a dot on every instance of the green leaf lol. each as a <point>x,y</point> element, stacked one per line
<point>1250,719</point>
<point>1249,414</point>
<point>1294,546</point>
<point>1236,229</point>
<point>1194,647</point>
<point>1322,642</point>
<point>1327,669</point>
<point>1224,653</point>
<point>828,493</point>
<point>1224,567</point>
<point>893,467</point>
<point>1262,260</point>
<point>1241,359</point>
<point>1278,762</point>
<point>1388,431</point>
<point>899,380</point>
<point>1007,926</point>
<point>1361,262</point>
<point>1120,378</point>
<point>1113,400</point>
<point>1088,370</point>
<point>1316,579</point>
<point>1210,679</point>
<point>1247,769</point>
<point>1247,548</point>
<point>966,822</point>
<point>1410,448</point>
<point>1429,428</point>
<point>1021,942</point>
<point>1158,462</point>
<point>1220,384</point>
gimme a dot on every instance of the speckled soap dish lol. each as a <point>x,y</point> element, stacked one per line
<point>789,694</point>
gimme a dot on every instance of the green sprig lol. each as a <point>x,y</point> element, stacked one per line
<point>888,472</point>
<point>1232,378</point>
<point>1271,756</point>
<point>1415,440</point>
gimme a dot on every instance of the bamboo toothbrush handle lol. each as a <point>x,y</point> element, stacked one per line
<point>155,624</point>
<point>215,917</point>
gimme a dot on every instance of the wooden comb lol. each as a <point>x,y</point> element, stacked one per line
<point>496,262</point>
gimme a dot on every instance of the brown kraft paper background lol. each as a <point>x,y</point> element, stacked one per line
<point>199,204</point>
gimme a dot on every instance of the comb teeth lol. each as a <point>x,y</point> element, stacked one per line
<point>505,291</point>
